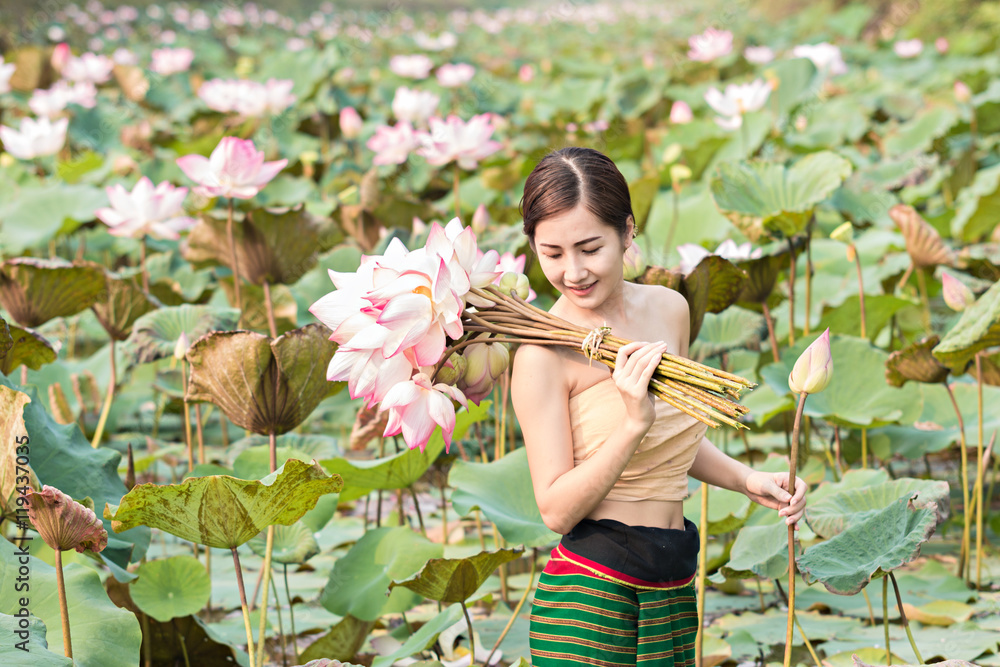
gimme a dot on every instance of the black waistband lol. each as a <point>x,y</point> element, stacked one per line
<point>644,552</point>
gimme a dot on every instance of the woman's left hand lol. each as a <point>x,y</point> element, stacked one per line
<point>770,489</point>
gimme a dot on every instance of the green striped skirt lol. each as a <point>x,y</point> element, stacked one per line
<point>613,594</point>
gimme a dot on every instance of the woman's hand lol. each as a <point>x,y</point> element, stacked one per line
<point>634,367</point>
<point>770,489</point>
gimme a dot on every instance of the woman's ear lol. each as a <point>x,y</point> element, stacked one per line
<point>630,231</point>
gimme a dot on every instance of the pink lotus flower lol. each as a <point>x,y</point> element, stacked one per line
<point>51,102</point>
<point>941,44</point>
<point>486,362</point>
<point>680,113</point>
<point>468,266</point>
<point>60,56</point>
<point>63,523</point>
<point>453,140</point>
<point>277,94</point>
<point>415,408</point>
<point>908,48</point>
<point>758,55</point>
<point>710,45</point>
<point>350,123</point>
<point>692,253</point>
<point>222,95</point>
<point>392,145</point>
<point>452,76</point>
<point>737,100</point>
<point>413,67</point>
<point>248,98</point>
<point>171,61</point>
<point>526,73</point>
<point>414,106</point>
<point>962,92</point>
<point>956,294</point>
<point>36,138</point>
<point>123,56</point>
<point>88,67</point>
<point>814,367</point>
<point>6,71</point>
<point>235,169</point>
<point>146,210</point>
<point>825,56</point>
<point>445,40</point>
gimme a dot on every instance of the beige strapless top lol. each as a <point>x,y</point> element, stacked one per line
<point>658,469</point>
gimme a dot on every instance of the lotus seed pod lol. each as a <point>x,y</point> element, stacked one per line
<point>844,233</point>
<point>814,367</point>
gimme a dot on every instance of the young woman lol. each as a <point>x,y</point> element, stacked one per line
<point>609,462</point>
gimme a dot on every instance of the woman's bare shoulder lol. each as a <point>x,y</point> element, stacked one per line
<point>664,300</point>
<point>538,368</point>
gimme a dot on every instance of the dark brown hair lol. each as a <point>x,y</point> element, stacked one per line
<point>565,178</point>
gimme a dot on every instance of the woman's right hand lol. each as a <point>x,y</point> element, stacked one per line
<point>634,367</point>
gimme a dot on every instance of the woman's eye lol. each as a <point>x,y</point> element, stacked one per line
<point>553,256</point>
<point>591,252</point>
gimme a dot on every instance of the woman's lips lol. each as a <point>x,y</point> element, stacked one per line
<point>584,291</point>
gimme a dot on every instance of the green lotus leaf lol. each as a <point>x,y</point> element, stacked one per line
<point>453,580</point>
<point>171,587</point>
<point>423,638</point>
<point>35,214</point>
<point>154,335</point>
<point>799,80</point>
<point>768,629</point>
<point>261,384</point>
<point>316,445</point>
<point>916,362</point>
<point>711,287</point>
<point>360,579</point>
<point>643,191</point>
<point>881,542</point>
<point>342,642</point>
<point>502,490</point>
<point>762,273</point>
<point>834,122</point>
<point>759,551</point>
<point>846,318</point>
<point>862,203</point>
<point>122,304</point>
<point>766,198</point>
<point>6,341</point>
<point>103,635</point>
<point>833,514</point>
<point>733,329</point>
<point>221,511</point>
<point>399,471</point>
<point>977,207</point>
<point>27,347</point>
<point>978,329</point>
<point>917,135</point>
<point>292,544</point>
<point>41,656</point>
<point>35,291</point>
<point>255,463</point>
<point>858,394</point>
<point>276,248</point>
<point>174,281</point>
<point>727,510</point>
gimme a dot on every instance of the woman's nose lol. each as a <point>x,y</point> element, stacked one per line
<point>575,270</point>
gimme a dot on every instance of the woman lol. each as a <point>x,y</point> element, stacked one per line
<point>609,461</point>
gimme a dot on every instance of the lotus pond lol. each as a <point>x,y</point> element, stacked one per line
<point>201,494</point>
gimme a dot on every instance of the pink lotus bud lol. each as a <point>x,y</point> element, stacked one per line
<point>350,123</point>
<point>480,219</point>
<point>486,362</point>
<point>956,294</point>
<point>453,369</point>
<point>63,523</point>
<point>680,113</point>
<point>962,92</point>
<point>941,44</point>
<point>634,264</point>
<point>814,367</point>
<point>60,56</point>
<point>526,73</point>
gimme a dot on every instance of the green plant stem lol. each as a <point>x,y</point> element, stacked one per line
<point>106,409</point>
<point>864,448</point>
<point>808,643</point>
<point>861,294</point>
<point>702,575</point>
<point>791,293</point>
<point>922,287</point>
<point>236,264</point>
<point>963,556</point>
<point>472,638</point>
<point>809,271</point>
<point>63,608</point>
<point>291,614</point>
<point>187,418</point>
<point>200,431</point>
<point>769,320</point>
<point>980,471</point>
<point>270,310</point>
<point>147,645</point>
<point>180,638</point>
<point>871,610</point>
<point>243,604</point>
<point>420,515</point>
<point>673,220</point>
<point>792,460</point>
<point>517,609</point>
<point>281,627</point>
<point>262,626</point>
<point>885,618</point>
<point>906,623</point>
<point>760,595</point>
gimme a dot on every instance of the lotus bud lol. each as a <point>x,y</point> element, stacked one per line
<point>671,153</point>
<point>941,44</point>
<point>60,56</point>
<point>480,219</point>
<point>63,523</point>
<point>680,113</point>
<point>486,362</point>
<point>962,92</point>
<point>956,294</point>
<point>453,369</point>
<point>634,264</point>
<point>181,348</point>
<point>679,173</point>
<point>350,123</point>
<point>814,367</point>
<point>512,282</point>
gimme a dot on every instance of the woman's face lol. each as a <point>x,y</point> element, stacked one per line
<point>581,256</point>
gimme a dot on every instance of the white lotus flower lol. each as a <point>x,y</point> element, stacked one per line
<point>737,100</point>
<point>36,138</point>
<point>825,56</point>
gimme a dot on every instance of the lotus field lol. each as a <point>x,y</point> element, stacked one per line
<point>259,279</point>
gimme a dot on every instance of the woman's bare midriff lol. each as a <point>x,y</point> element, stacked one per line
<point>652,513</point>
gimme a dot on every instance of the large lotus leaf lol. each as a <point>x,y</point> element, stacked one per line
<point>292,544</point>
<point>769,628</point>
<point>154,335</point>
<point>173,280</point>
<point>27,347</point>
<point>261,384</point>
<point>759,551</point>
<point>316,445</point>
<point>834,513</point>
<point>727,510</point>
<point>37,213</point>
<point>698,219</point>
<point>35,291</point>
<point>277,248</point>
<point>733,329</point>
<point>642,192</point>
<point>255,463</point>
<point>798,79</point>
<point>57,455</point>
<point>852,479</point>
<point>283,305</point>
<point>399,471</point>
<point>836,121</point>
<point>977,208</point>
<point>862,202</point>
<point>360,579</point>
<point>858,394</point>
<point>171,587</point>
<point>883,541</point>
<point>41,656</point>
<point>122,304</point>
<point>502,490</point>
<point>917,135</point>
<point>761,197</point>
<point>762,273</point>
<point>711,287</point>
<point>846,318</point>
<point>923,243</point>
<point>341,643</point>
<point>103,635</point>
<point>453,580</point>
<point>978,329</point>
<point>915,362</point>
<point>221,511</point>
<point>423,638</point>
<point>6,341</point>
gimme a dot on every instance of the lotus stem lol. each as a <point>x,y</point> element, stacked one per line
<point>142,263</point>
<point>180,638</point>
<point>922,287</point>
<point>420,515</point>
<point>147,646</point>
<point>980,471</point>
<point>269,548</point>
<point>769,320</point>
<point>291,614</point>
<point>963,556</point>
<point>63,608</point>
<point>106,408</point>
<point>791,293</point>
<point>760,596</point>
<point>699,639</point>
<point>792,460</point>
<point>200,431</point>
<point>270,310</point>
<point>236,264</point>
<point>864,449</point>
<point>861,294</point>
<point>444,517</point>
<point>871,610</point>
<point>885,618</point>
<point>472,638</point>
<point>809,645</point>
<point>517,608</point>
<point>243,604</point>
<point>187,418</point>
<point>458,206</point>
<point>673,220</point>
<point>809,271</point>
<point>281,627</point>
<point>225,431</point>
<point>906,623</point>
